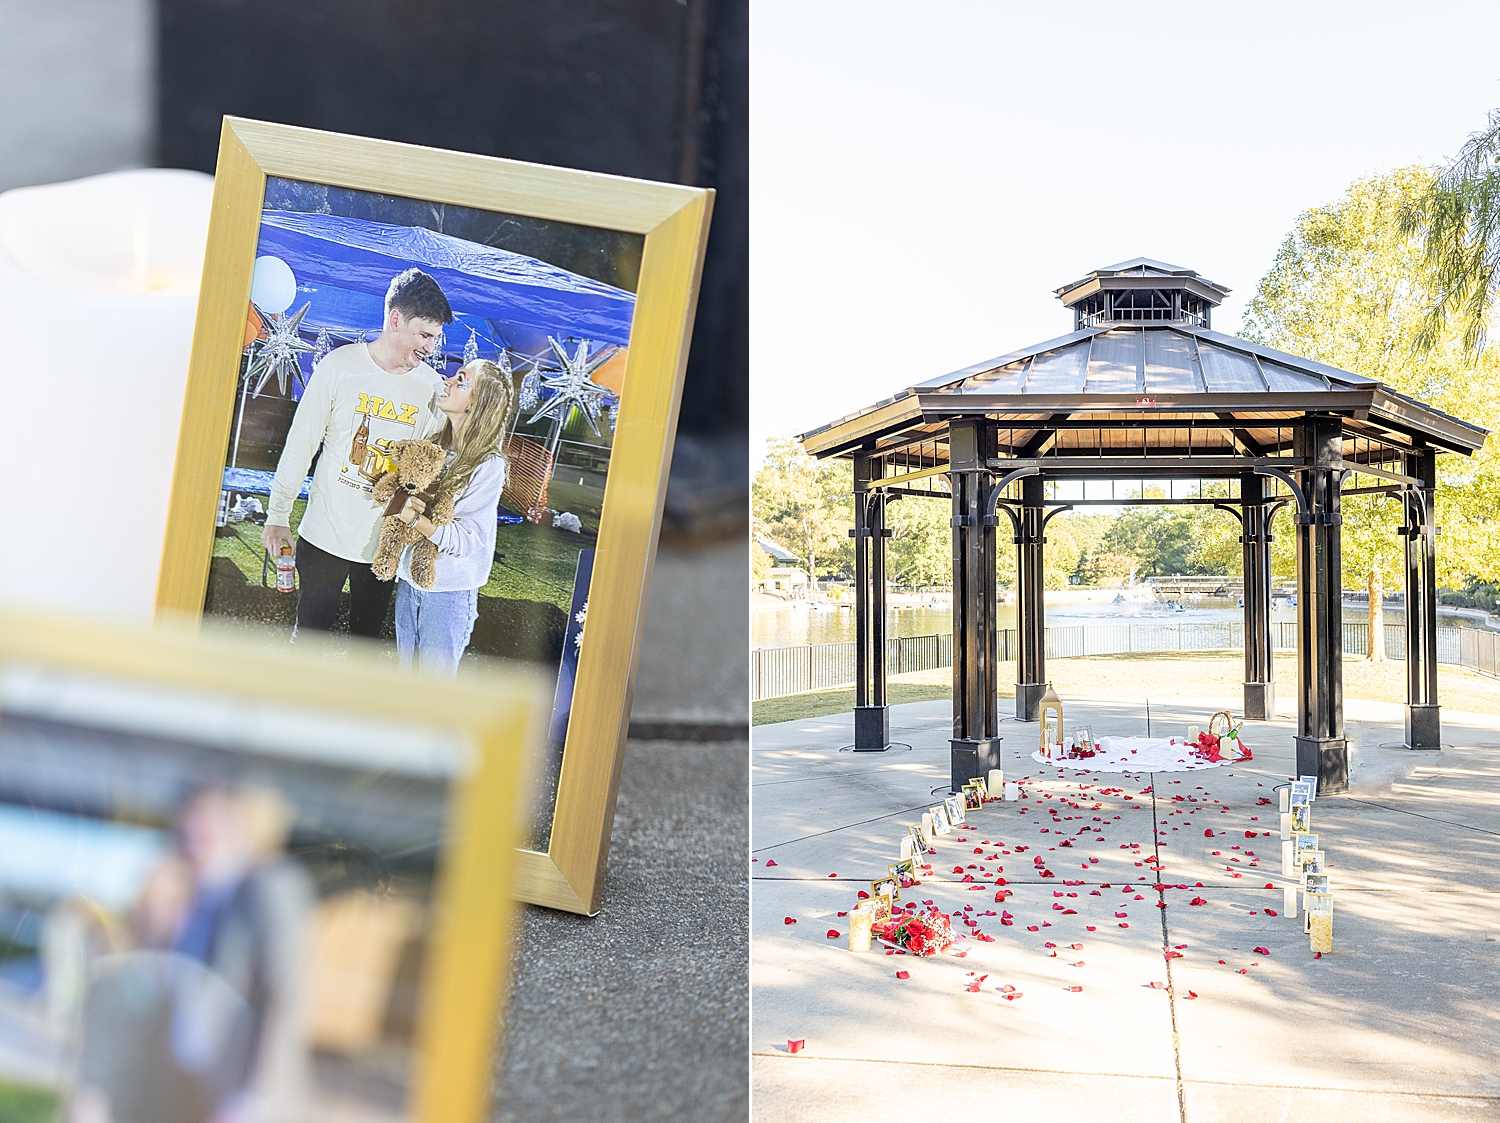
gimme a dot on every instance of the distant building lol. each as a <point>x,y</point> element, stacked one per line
<point>785,578</point>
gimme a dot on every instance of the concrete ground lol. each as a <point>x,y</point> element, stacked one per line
<point>642,1012</point>
<point>1399,1022</point>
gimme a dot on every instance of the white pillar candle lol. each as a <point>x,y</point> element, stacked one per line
<point>1286,825</point>
<point>1012,791</point>
<point>927,832</point>
<point>1286,858</point>
<point>1193,732</point>
<point>906,851</point>
<point>859,929</point>
<point>995,784</point>
<point>1289,901</point>
<point>99,276</point>
<point>1286,800</point>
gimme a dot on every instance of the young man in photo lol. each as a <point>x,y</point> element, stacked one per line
<point>361,399</point>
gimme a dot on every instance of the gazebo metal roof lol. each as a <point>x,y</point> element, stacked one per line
<point>1122,375</point>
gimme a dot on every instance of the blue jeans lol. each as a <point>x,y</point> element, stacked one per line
<point>434,626</point>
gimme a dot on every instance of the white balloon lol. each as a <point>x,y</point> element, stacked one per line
<point>272,286</point>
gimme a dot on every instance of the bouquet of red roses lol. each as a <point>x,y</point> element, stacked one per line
<point>922,935</point>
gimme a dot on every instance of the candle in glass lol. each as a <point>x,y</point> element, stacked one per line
<point>859,929</point>
<point>101,274</point>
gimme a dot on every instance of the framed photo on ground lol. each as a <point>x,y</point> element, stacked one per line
<point>240,883</point>
<point>431,402</point>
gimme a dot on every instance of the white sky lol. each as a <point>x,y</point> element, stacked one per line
<point>923,175</point>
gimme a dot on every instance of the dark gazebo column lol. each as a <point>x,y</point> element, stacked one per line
<point>1322,750</point>
<point>1423,725</point>
<point>1031,626</point>
<point>975,747</point>
<point>1255,526</point>
<point>872,732</point>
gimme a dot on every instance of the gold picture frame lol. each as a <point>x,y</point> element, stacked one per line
<point>673,221</point>
<point>494,726</point>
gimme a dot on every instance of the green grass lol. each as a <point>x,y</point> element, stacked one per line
<point>539,561</point>
<point>824,703</point>
<point>539,564</point>
<point>26,1105</point>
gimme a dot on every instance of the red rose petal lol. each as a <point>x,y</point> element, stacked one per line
<point>1317,955</point>
<point>771,862</point>
<point>1262,951</point>
<point>1192,994</point>
<point>1032,928</point>
<point>1091,928</point>
<point>1122,924</point>
<point>833,933</point>
<point>903,974</point>
<point>789,920</point>
<point>1271,912</point>
<point>795,1046</point>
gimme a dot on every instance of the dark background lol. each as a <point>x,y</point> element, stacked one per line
<point>656,89</point>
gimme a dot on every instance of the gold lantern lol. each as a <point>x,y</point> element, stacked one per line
<point>1049,714</point>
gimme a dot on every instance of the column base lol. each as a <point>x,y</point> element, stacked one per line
<point>1260,701</point>
<point>872,729</point>
<point>1327,758</point>
<point>972,758</point>
<point>1029,699</point>
<point>1423,727</point>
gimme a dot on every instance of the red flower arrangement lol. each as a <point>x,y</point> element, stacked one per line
<point>920,935</point>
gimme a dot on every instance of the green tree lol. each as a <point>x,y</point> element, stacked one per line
<point>803,503</point>
<point>920,549</point>
<point>1346,289</point>
<point>1456,216</point>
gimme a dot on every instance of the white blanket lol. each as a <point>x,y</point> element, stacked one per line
<point>1137,754</point>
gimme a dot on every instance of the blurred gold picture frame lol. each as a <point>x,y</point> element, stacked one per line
<point>497,724</point>
<point>674,222</point>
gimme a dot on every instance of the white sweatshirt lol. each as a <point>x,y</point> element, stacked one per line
<point>466,546</point>
<point>349,390</point>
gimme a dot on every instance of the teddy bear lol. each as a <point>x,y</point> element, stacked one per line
<point>419,467</point>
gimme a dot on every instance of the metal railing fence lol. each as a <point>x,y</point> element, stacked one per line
<point>778,671</point>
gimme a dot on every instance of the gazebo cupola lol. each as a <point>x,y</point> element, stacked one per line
<point>1142,290</point>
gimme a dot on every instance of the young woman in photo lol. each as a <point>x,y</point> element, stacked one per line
<point>433,625</point>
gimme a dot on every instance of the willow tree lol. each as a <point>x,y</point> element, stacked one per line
<point>1351,287</point>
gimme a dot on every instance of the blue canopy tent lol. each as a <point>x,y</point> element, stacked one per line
<point>508,301</point>
<point>343,267</point>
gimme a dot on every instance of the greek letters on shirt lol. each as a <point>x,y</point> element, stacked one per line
<point>372,459</point>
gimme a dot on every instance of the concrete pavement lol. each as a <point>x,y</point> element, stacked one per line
<point>1399,1022</point>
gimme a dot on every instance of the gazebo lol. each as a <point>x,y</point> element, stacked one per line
<point>1141,389</point>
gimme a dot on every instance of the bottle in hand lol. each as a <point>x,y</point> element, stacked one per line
<point>286,571</point>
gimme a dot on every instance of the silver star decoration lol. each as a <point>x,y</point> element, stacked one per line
<point>322,346</point>
<point>471,348</point>
<point>278,354</point>
<point>573,386</point>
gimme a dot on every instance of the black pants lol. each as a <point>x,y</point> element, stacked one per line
<point>322,577</point>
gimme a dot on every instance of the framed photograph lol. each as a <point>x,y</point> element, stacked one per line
<point>888,888</point>
<point>1301,815</point>
<point>918,842</point>
<point>939,815</point>
<point>1305,843</point>
<point>973,795</point>
<point>1312,861</point>
<point>904,872</point>
<point>955,806</point>
<point>236,880</point>
<point>450,382</point>
<point>1303,791</point>
<point>880,903</point>
<point>1315,883</point>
